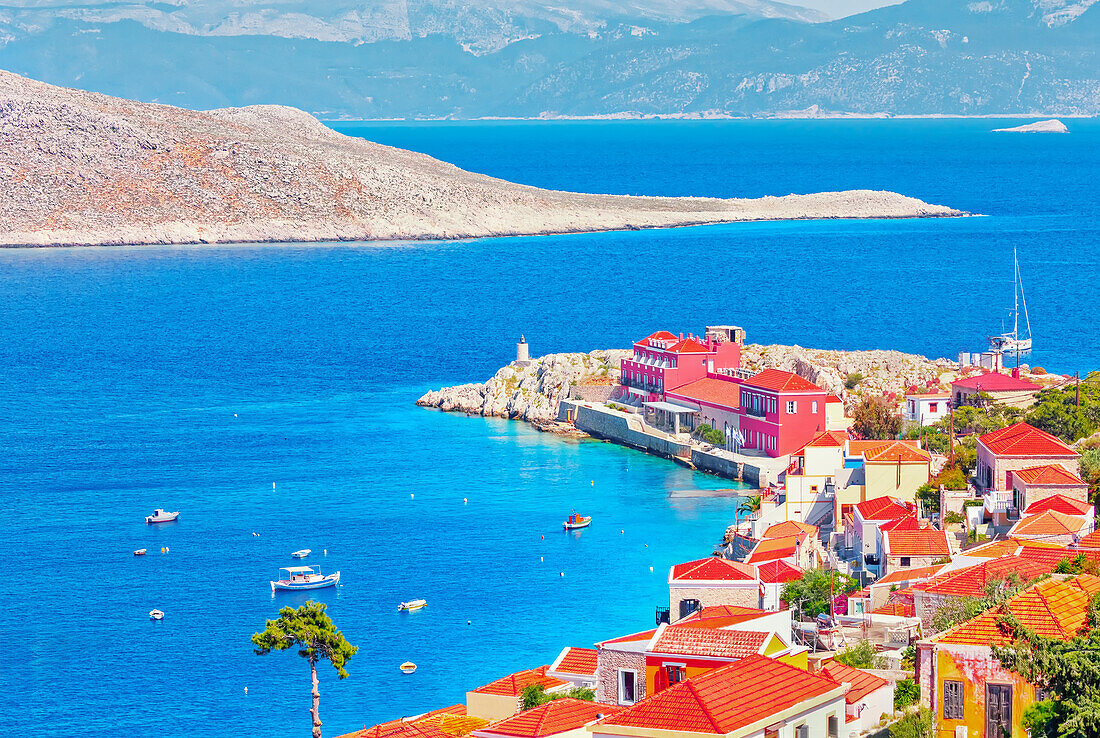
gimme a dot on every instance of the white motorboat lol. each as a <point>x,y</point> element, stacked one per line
<point>301,553</point>
<point>160,516</point>
<point>412,605</point>
<point>156,615</point>
<point>304,577</point>
<point>576,522</point>
<point>139,552</point>
<point>408,667</point>
<point>1011,342</point>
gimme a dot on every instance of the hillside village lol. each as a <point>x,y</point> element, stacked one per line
<point>896,543</point>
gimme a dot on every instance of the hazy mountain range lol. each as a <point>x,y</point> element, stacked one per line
<point>526,58</point>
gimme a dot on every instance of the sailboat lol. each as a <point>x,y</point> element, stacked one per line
<point>1012,342</point>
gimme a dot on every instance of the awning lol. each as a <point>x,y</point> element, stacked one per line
<point>668,407</point>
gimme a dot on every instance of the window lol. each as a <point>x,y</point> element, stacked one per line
<point>813,407</point>
<point>813,488</point>
<point>802,731</point>
<point>998,709</point>
<point>626,687</point>
<point>675,673</point>
<point>905,561</point>
<point>687,607</point>
<point>933,407</point>
<point>834,726</point>
<point>952,700</point>
<point>1043,693</point>
<point>792,406</point>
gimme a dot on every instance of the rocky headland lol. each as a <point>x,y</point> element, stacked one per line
<point>1041,126</point>
<point>82,169</point>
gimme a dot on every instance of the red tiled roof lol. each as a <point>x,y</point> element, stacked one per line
<point>995,382</point>
<point>722,392</point>
<point>712,568</point>
<point>1048,523</point>
<point>832,398</point>
<point>778,380</point>
<point>645,635</point>
<point>709,642</point>
<point>426,725</point>
<point>924,542</point>
<point>659,336</point>
<point>723,700</point>
<point>721,616</point>
<point>688,346</point>
<point>909,575</point>
<point>773,548</point>
<point>909,522</point>
<point>827,439</point>
<point>895,452</point>
<point>1048,474</point>
<point>580,661</point>
<point>883,508</point>
<point>1052,608</point>
<point>1092,540</point>
<point>1059,503</point>
<point>971,581</point>
<point>513,684</point>
<point>790,528</point>
<point>1022,439</point>
<point>778,572</point>
<point>862,682</point>
<point>898,609</point>
<point>551,718</point>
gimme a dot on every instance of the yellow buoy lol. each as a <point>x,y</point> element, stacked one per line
<point>162,549</point>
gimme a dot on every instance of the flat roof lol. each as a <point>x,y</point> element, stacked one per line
<point>296,569</point>
<point>669,407</point>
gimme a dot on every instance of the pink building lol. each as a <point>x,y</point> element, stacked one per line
<point>780,412</point>
<point>663,361</point>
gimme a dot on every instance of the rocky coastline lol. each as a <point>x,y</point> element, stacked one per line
<point>87,169</point>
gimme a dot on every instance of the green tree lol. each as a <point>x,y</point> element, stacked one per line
<point>1070,670</point>
<point>874,418</point>
<point>862,655</point>
<point>749,505</point>
<point>809,596</point>
<point>312,632</point>
<point>920,724</point>
<point>1056,410</point>
<point>713,436</point>
<point>1090,469</point>
<point>852,380</point>
<point>536,694</point>
<point>906,692</point>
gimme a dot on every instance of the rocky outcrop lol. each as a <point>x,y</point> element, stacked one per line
<point>530,390</point>
<point>81,168</point>
<point>1041,126</point>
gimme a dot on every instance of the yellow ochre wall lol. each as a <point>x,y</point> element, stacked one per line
<point>882,479</point>
<point>974,667</point>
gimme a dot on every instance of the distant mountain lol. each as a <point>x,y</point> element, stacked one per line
<point>525,58</point>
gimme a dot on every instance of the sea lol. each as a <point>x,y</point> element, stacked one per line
<point>266,392</point>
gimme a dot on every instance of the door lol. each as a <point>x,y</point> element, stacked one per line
<point>998,710</point>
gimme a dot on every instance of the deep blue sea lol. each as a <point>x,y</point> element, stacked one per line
<point>196,378</point>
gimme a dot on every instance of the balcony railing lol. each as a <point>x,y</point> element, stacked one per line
<point>756,412</point>
<point>998,501</point>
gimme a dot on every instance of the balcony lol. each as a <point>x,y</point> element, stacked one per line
<point>662,614</point>
<point>998,501</point>
<point>756,412</point>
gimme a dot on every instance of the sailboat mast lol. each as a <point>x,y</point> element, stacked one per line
<point>1023,297</point>
<point>1015,295</point>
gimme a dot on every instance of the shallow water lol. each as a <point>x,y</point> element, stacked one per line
<point>193,378</point>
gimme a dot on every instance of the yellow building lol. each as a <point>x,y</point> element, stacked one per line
<point>969,691</point>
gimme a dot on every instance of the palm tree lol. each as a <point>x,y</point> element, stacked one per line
<point>750,505</point>
<point>310,630</point>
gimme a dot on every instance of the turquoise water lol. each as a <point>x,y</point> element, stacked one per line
<point>194,378</point>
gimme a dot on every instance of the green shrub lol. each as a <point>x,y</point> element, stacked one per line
<point>954,518</point>
<point>852,380</point>
<point>920,724</point>
<point>862,655</point>
<point>906,692</point>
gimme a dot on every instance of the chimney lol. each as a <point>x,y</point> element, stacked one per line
<point>1016,372</point>
<point>681,335</point>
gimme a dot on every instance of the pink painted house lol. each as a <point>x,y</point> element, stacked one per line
<point>663,361</point>
<point>780,412</point>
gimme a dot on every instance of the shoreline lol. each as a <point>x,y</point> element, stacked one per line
<point>617,117</point>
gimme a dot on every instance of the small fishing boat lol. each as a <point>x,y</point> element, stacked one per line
<point>575,522</point>
<point>160,516</point>
<point>408,667</point>
<point>412,605</point>
<point>304,577</point>
<point>139,552</point>
<point>156,615</point>
<point>301,554</point>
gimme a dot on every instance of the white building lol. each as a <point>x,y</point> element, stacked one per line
<point>927,409</point>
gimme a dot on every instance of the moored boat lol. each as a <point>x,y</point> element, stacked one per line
<point>139,552</point>
<point>408,667</point>
<point>301,554</point>
<point>304,577</point>
<point>412,605</point>
<point>156,615</point>
<point>574,521</point>
<point>160,516</point>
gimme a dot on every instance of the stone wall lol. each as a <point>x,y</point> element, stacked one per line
<point>624,428</point>
<point>608,664</point>
<point>742,596</point>
<point>591,393</point>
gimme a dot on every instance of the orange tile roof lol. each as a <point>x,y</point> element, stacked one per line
<point>899,609</point>
<point>826,439</point>
<point>723,392</point>
<point>778,380</point>
<point>644,635</point>
<point>1092,540</point>
<point>723,700</point>
<point>862,682</point>
<point>770,549</point>
<point>708,642</point>
<point>778,572</point>
<point>924,542</point>
<point>1049,523</point>
<point>551,718</point>
<point>1052,608</point>
<point>659,336</point>
<point>971,581</point>
<point>1009,547</point>
<point>790,528</point>
<point>832,398</point>
<point>1022,439</point>
<point>909,522</point>
<point>721,616</point>
<point>398,728</point>
<point>895,452</point>
<point>1060,503</point>
<point>909,575</point>
<point>580,661</point>
<point>688,346</point>
<point>1048,474</point>
<point>712,568</point>
<point>513,684</point>
<point>883,508</point>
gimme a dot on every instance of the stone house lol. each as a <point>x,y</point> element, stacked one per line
<point>913,549</point>
<point>1051,526</point>
<point>1035,484</point>
<point>1013,449</point>
<point>621,669</point>
<point>708,582</point>
<point>1006,389</point>
<point>967,689</point>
